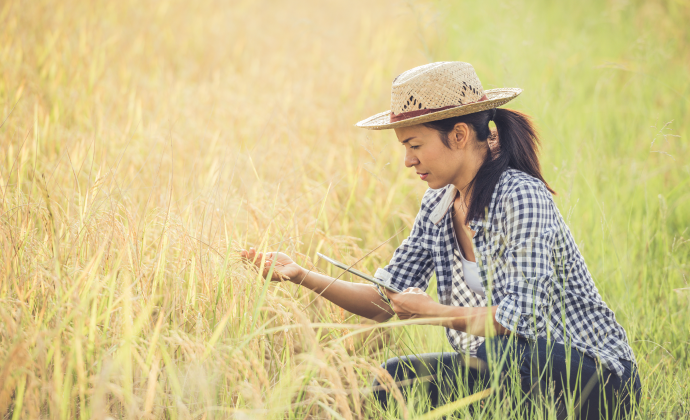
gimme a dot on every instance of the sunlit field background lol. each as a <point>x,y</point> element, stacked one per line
<point>144,143</point>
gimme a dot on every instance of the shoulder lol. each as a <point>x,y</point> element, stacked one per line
<point>522,197</point>
<point>517,187</point>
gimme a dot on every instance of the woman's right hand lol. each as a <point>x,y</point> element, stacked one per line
<point>285,268</point>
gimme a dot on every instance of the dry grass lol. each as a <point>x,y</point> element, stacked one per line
<point>148,142</point>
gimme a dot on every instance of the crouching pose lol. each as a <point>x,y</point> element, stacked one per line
<point>514,291</point>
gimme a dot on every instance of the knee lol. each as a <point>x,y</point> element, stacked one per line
<point>481,352</point>
<point>391,365</point>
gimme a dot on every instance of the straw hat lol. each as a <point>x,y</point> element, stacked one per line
<point>434,92</point>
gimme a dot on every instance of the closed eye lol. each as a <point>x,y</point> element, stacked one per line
<point>414,147</point>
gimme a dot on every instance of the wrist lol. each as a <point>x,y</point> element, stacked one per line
<point>299,277</point>
<point>446,311</point>
<point>433,310</point>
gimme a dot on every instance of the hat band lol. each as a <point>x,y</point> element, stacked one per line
<point>419,112</point>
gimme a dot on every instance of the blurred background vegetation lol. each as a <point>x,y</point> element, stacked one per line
<point>143,143</point>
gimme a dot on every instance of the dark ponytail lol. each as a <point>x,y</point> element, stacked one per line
<point>518,143</point>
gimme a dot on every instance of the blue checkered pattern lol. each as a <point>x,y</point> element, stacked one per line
<point>529,264</point>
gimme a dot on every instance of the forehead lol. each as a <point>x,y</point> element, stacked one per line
<point>418,132</point>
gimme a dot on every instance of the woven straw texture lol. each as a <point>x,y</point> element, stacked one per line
<point>438,85</point>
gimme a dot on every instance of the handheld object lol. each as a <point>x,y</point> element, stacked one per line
<point>358,273</point>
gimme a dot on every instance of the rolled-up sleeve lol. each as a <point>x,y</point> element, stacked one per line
<point>412,264</point>
<point>529,225</point>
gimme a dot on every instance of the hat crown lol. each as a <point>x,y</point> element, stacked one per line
<point>436,85</point>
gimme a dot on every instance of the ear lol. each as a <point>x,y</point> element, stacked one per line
<point>460,136</point>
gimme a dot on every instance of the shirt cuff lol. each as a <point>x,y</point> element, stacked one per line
<point>509,316</point>
<point>384,276</point>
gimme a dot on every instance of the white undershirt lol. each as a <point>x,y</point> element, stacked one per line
<point>471,273</point>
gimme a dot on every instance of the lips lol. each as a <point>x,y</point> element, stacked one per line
<point>422,175</point>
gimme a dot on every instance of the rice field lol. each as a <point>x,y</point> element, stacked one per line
<point>144,143</point>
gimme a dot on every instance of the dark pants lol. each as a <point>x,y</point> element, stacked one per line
<point>545,370</point>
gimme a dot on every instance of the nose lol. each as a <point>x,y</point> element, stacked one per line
<point>410,159</point>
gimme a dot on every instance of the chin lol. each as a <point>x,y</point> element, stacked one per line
<point>436,185</point>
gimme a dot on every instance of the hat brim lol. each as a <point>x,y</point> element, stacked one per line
<point>496,98</point>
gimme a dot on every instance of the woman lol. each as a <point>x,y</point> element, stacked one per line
<point>505,262</point>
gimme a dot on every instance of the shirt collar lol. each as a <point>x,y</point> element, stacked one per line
<point>446,203</point>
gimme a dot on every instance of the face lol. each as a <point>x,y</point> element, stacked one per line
<point>432,160</point>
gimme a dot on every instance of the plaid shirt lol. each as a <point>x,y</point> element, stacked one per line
<point>529,264</point>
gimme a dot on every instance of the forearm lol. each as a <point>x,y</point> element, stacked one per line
<point>474,321</point>
<point>360,299</point>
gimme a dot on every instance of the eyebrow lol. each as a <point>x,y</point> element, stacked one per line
<point>406,140</point>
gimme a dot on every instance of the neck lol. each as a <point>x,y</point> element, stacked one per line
<point>464,179</point>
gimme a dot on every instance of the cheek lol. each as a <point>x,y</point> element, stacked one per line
<point>436,158</point>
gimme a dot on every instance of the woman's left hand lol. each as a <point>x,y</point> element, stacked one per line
<point>413,303</point>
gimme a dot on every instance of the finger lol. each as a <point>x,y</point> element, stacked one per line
<point>255,257</point>
<point>269,263</point>
<point>248,256</point>
<point>277,264</point>
<point>390,294</point>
